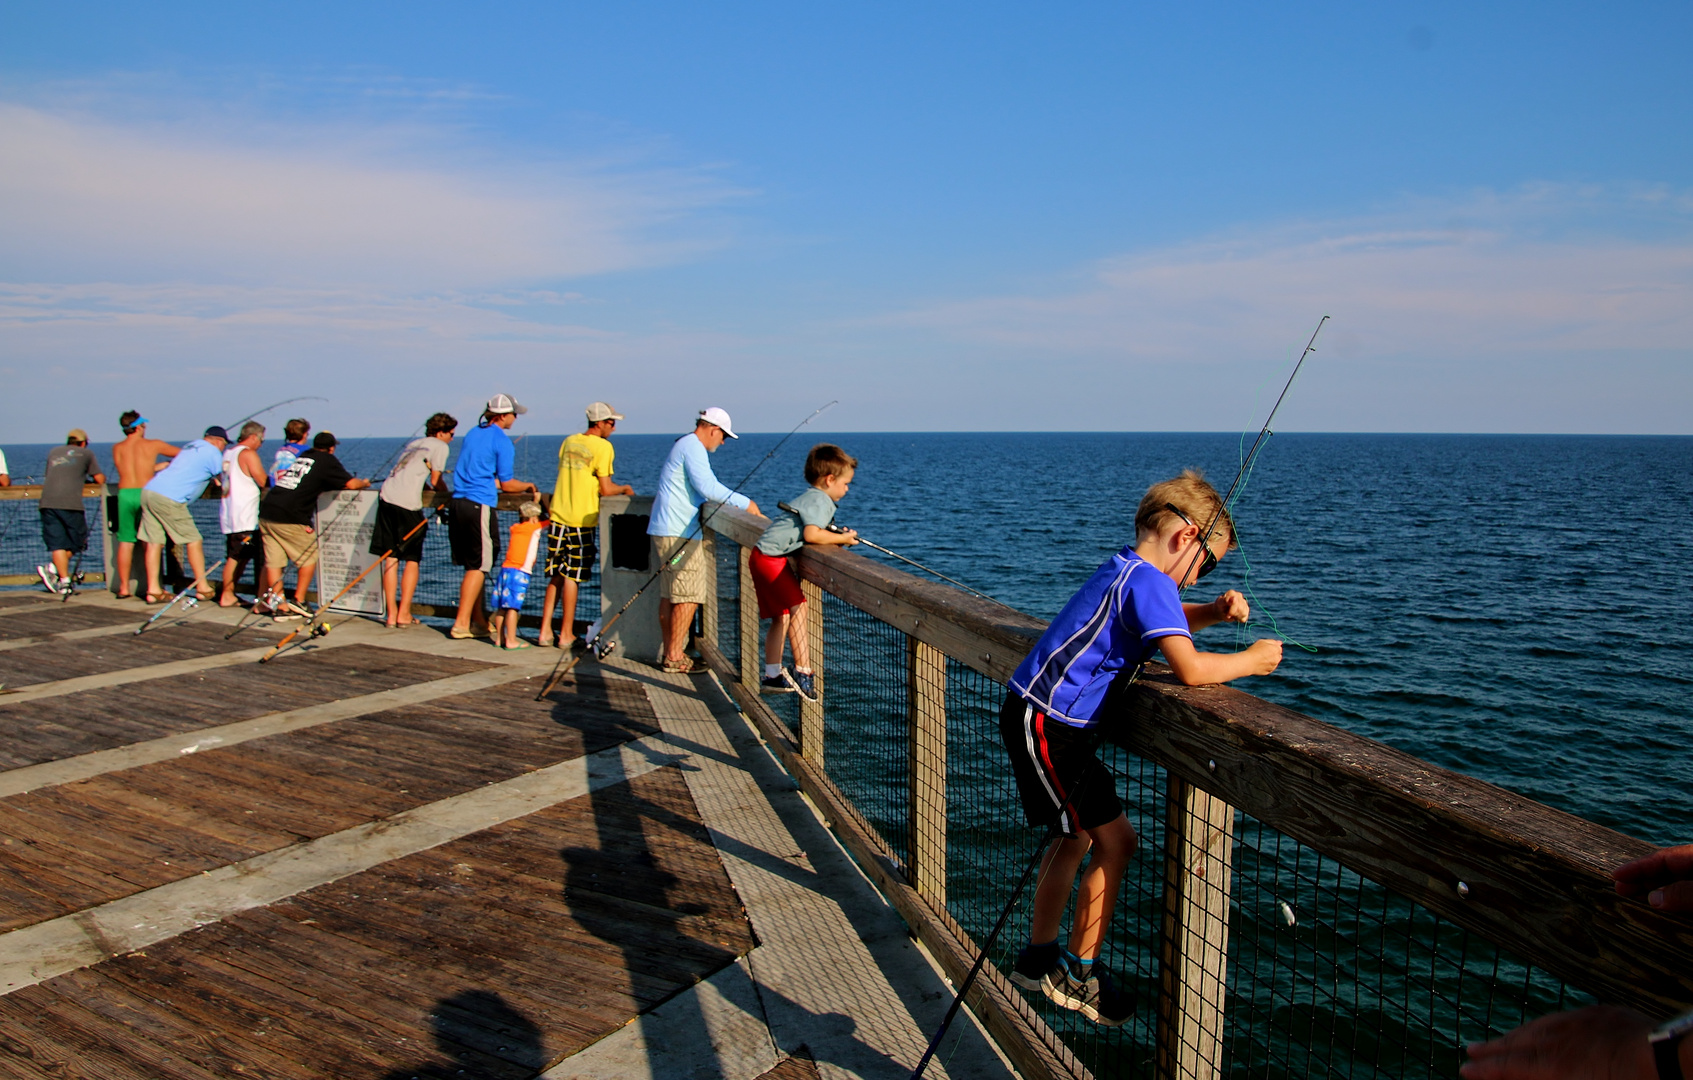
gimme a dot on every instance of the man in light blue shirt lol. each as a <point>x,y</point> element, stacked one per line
<point>164,509</point>
<point>685,481</point>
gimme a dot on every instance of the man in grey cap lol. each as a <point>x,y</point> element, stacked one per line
<point>64,523</point>
<point>164,509</point>
<point>584,475</point>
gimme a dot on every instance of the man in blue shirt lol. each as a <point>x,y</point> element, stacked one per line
<point>684,482</point>
<point>483,471</point>
<point>164,509</point>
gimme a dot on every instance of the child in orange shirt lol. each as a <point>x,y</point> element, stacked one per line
<point>525,544</point>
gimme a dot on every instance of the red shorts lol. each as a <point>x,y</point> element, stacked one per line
<point>774,582</point>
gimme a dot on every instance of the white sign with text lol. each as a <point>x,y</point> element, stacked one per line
<point>345,522</point>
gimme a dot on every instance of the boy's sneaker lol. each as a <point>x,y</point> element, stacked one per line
<point>1095,997</point>
<point>806,683</point>
<point>779,683</point>
<point>49,578</point>
<point>1034,964</point>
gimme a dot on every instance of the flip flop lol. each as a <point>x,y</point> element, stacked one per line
<point>519,645</point>
<point>462,635</point>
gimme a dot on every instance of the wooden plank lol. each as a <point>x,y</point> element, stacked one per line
<point>368,987</point>
<point>1032,1048</point>
<point>1538,880</point>
<point>46,1036</point>
<point>926,686</point>
<point>752,645</point>
<point>1194,945</point>
<point>60,619</point>
<point>811,736</point>
<point>140,1023</point>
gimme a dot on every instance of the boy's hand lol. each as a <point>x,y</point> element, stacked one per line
<point>849,537</point>
<point>1664,878</point>
<point>1232,607</point>
<point>1266,655</point>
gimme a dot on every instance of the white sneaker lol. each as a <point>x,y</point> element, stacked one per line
<point>49,578</point>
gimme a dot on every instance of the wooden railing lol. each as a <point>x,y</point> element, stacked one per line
<point>1530,879</point>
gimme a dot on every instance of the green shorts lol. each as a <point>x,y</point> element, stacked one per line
<point>129,514</point>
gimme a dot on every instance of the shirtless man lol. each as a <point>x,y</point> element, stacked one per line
<point>137,459</point>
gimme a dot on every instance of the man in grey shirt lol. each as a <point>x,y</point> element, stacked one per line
<point>397,538</point>
<point>64,523</point>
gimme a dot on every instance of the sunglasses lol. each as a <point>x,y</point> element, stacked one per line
<point>1210,562</point>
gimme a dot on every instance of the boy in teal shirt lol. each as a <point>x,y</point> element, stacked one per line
<point>803,520</point>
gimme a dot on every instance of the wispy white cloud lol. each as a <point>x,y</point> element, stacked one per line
<point>364,199</point>
<point>1545,269</point>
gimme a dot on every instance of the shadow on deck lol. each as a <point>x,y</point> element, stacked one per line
<point>379,856</point>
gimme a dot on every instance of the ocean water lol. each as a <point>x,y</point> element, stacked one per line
<point>1517,608</point>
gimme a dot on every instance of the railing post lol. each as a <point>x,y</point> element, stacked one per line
<point>752,649</point>
<point>1193,974</point>
<point>107,490</point>
<point>925,668</point>
<point>708,610</point>
<point>811,713</point>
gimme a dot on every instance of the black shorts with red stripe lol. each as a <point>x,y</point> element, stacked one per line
<point>1058,775</point>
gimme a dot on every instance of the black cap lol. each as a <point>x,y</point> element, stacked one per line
<point>323,440</point>
<point>215,432</point>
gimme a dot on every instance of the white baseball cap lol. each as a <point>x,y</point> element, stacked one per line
<point>599,410</point>
<point>504,403</point>
<point>717,416</point>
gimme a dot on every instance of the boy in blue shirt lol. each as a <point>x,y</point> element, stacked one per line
<point>1128,609</point>
<point>803,520</point>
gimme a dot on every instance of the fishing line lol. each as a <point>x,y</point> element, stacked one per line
<point>268,408</point>
<point>1075,789</point>
<point>559,673</point>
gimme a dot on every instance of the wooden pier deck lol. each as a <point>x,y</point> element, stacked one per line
<point>379,856</point>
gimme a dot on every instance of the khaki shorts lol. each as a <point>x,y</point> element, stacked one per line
<point>163,517</point>
<point>286,544</point>
<point>688,582</point>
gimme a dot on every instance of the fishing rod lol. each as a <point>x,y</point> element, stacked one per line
<point>317,626</point>
<point>559,672</point>
<point>268,408</point>
<point>841,530</point>
<point>1073,790</point>
<point>278,596</point>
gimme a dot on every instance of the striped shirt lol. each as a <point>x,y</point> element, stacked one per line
<point>1113,622</point>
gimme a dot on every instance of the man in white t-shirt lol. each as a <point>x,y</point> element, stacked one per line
<point>400,524</point>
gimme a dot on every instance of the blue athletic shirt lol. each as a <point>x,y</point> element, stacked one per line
<point>486,458</point>
<point>188,473</point>
<point>1113,622</point>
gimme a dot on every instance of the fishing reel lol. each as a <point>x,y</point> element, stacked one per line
<point>320,630</point>
<point>190,603</point>
<point>603,648</point>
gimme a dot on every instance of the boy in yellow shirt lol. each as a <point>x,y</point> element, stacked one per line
<point>584,475</point>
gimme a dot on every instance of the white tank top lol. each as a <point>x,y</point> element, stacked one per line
<point>238,511</point>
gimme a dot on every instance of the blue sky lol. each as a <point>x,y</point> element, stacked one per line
<point>948,216</point>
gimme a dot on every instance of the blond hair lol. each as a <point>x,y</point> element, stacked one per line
<point>1192,495</point>
<point>529,511</point>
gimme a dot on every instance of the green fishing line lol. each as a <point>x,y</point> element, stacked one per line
<point>1269,617</point>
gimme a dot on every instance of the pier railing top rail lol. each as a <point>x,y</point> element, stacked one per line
<point>1529,878</point>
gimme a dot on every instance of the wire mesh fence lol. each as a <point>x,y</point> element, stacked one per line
<point>1248,952</point>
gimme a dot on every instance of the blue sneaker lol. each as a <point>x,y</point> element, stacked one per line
<point>779,683</point>
<point>806,683</point>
